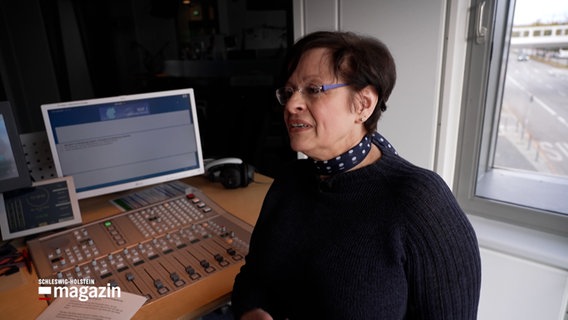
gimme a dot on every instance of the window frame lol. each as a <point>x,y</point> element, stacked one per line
<point>481,104</point>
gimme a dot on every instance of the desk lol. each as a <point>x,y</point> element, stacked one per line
<point>19,296</point>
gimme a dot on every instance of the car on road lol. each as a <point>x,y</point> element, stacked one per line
<point>523,57</point>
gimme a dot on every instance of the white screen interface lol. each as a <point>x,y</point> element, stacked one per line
<point>108,144</point>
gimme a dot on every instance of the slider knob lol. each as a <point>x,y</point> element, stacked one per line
<point>189,270</point>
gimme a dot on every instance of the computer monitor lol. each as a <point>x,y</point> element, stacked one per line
<point>124,142</point>
<point>14,173</point>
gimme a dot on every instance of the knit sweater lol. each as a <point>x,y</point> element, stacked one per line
<point>386,241</point>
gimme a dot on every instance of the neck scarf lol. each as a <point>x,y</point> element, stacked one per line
<point>352,157</point>
<point>345,161</point>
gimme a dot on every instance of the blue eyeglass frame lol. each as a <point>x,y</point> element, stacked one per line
<point>323,87</point>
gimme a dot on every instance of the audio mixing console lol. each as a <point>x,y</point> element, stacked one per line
<point>152,251</point>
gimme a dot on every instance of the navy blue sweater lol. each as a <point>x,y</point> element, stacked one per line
<point>387,241</point>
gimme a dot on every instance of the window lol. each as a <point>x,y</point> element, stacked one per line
<point>513,157</point>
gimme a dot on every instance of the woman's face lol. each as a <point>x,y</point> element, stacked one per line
<point>327,124</point>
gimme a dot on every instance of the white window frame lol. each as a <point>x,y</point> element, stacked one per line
<point>481,102</point>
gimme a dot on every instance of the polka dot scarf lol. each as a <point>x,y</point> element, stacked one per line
<point>352,157</point>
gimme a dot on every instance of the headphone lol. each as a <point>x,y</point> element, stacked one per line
<point>231,172</point>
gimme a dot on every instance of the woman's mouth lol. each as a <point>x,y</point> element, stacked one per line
<point>299,125</point>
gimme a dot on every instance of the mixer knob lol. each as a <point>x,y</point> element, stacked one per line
<point>158,284</point>
<point>189,270</point>
<point>77,269</point>
<point>59,275</point>
<point>91,242</point>
<point>125,251</point>
<point>110,256</point>
<point>58,251</point>
<point>94,262</point>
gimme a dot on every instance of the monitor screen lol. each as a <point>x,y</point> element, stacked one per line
<point>47,205</point>
<point>14,173</point>
<point>120,143</point>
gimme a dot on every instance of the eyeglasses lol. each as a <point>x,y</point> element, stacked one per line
<point>311,91</point>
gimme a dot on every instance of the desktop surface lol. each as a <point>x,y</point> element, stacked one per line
<point>21,299</point>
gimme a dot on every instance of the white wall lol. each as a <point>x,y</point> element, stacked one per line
<point>525,273</point>
<point>511,289</point>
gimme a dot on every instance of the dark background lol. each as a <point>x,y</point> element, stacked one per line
<point>229,51</point>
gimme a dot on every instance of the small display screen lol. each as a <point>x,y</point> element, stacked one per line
<point>46,205</point>
<point>38,206</point>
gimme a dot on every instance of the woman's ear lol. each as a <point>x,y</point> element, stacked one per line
<point>368,99</point>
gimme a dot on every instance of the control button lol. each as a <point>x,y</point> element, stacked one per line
<point>179,283</point>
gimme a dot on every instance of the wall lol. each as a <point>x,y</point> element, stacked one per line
<point>525,273</point>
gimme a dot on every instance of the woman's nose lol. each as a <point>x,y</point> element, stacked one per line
<point>296,103</point>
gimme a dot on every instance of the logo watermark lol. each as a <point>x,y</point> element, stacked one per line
<point>81,289</point>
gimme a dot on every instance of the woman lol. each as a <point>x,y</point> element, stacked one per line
<point>355,231</point>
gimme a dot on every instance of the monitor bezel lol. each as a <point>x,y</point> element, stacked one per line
<point>46,108</point>
<point>23,179</point>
